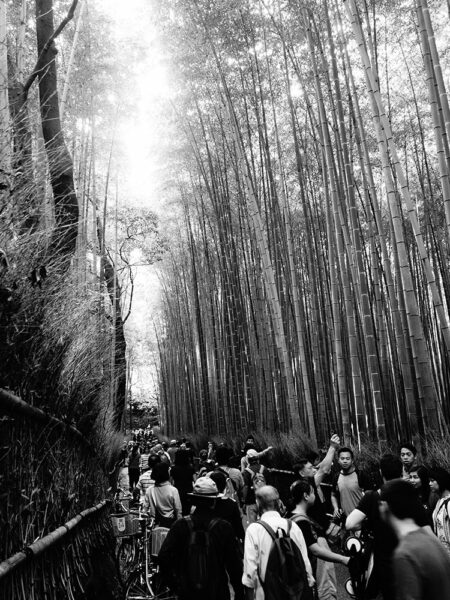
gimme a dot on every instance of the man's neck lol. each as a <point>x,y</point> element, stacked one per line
<point>348,471</point>
<point>404,526</point>
<point>300,509</point>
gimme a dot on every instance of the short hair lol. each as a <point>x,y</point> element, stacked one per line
<point>442,478</point>
<point>153,460</point>
<point>268,497</point>
<point>299,488</point>
<point>345,449</point>
<point>222,455</point>
<point>402,499</point>
<point>409,447</point>
<point>160,473</point>
<point>203,454</point>
<point>390,467</point>
<point>300,464</point>
<point>219,479</point>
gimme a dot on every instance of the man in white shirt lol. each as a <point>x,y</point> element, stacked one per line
<point>258,543</point>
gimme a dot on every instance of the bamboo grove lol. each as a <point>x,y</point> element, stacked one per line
<point>310,290</point>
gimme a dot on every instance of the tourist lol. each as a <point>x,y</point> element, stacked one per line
<point>226,508</point>
<point>254,477</point>
<point>319,552</point>
<point>367,517</point>
<point>408,454</point>
<point>224,559</point>
<point>146,479</point>
<point>222,456</point>
<point>258,543</point>
<point>421,565</point>
<point>172,450</point>
<point>134,458</point>
<point>162,500</point>
<point>304,469</point>
<point>440,485</point>
<point>419,478</point>
<point>349,484</point>
<point>182,474</point>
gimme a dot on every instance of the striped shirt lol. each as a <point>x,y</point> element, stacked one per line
<point>145,481</point>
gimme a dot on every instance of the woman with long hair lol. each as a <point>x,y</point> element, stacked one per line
<point>440,484</point>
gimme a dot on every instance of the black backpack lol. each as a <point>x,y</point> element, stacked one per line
<point>199,565</point>
<point>286,577</point>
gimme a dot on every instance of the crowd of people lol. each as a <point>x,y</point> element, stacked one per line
<point>233,521</point>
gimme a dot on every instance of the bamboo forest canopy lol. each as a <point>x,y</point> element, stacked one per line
<point>71,242</point>
<point>307,287</point>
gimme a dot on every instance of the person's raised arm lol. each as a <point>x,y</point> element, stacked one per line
<point>324,467</point>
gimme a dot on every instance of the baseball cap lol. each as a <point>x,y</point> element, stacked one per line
<point>252,453</point>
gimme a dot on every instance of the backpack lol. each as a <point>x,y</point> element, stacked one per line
<point>199,563</point>
<point>230,488</point>
<point>286,577</point>
<point>258,479</point>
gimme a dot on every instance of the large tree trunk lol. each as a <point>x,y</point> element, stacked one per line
<point>60,161</point>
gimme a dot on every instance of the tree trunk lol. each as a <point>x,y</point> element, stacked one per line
<point>59,159</point>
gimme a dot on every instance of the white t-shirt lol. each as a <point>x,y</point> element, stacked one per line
<point>257,549</point>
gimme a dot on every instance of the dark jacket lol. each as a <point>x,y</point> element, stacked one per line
<point>172,557</point>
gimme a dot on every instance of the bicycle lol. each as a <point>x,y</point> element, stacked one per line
<point>126,529</point>
<point>145,582</point>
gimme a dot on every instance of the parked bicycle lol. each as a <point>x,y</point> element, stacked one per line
<point>145,582</point>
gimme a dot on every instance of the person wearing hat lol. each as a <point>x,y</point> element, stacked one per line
<point>224,559</point>
<point>244,459</point>
<point>254,477</point>
<point>172,450</point>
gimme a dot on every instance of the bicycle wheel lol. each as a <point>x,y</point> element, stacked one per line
<point>126,555</point>
<point>138,588</point>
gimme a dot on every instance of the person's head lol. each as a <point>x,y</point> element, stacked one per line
<point>204,494</point>
<point>219,479</point>
<point>408,454</point>
<point>250,439</point>
<point>439,481</point>
<point>153,460</point>
<point>203,455</point>
<point>182,457</point>
<point>313,458</point>
<point>164,445</point>
<point>302,492</point>
<point>346,458</point>
<point>173,443</point>
<point>252,456</point>
<point>390,467</point>
<point>419,478</point>
<point>399,502</point>
<point>267,498</point>
<point>304,468</point>
<point>222,455</point>
<point>160,473</point>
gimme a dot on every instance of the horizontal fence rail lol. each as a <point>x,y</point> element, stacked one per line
<point>40,546</point>
<point>12,405</point>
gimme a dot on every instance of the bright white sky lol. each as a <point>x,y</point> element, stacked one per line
<point>138,133</point>
<point>137,137</point>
